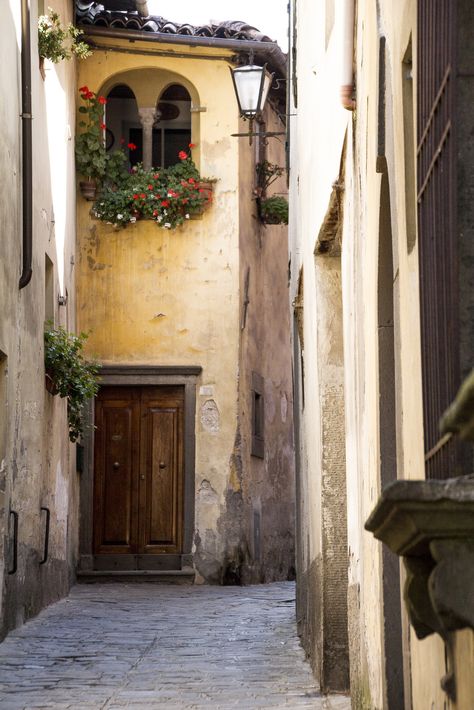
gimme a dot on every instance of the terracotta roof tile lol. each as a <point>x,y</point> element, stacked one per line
<point>124,16</point>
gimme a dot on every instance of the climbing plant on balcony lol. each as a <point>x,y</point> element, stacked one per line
<point>70,374</point>
<point>91,156</point>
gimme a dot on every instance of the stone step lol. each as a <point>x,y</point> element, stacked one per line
<point>181,576</point>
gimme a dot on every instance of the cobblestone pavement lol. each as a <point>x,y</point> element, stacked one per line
<point>155,646</point>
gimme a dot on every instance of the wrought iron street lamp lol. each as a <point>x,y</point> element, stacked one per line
<point>251,84</point>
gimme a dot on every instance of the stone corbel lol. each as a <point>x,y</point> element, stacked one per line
<point>431,525</point>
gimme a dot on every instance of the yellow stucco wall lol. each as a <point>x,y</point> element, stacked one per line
<point>152,296</point>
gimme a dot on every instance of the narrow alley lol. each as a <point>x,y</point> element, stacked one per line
<point>153,646</point>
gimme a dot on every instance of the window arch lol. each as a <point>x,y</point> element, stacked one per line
<point>172,129</point>
<point>150,110</point>
<point>122,118</point>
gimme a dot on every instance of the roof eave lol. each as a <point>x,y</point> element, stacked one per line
<point>268,51</point>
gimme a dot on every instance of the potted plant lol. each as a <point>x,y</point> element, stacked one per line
<point>169,196</point>
<point>274,210</point>
<point>69,374</point>
<point>91,155</point>
<point>56,42</point>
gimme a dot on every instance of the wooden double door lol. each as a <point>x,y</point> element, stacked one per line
<point>138,475</point>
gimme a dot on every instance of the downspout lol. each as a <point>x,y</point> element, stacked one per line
<point>346,9</point>
<point>27,148</point>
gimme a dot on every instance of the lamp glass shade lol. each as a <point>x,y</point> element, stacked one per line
<point>252,84</point>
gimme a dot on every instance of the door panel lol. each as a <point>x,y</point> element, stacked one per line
<point>161,466</point>
<point>116,463</point>
<point>138,483</point>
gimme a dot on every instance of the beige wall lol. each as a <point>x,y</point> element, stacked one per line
<point>317,139</point>
<point>373,216</point>
<point>37,463</point>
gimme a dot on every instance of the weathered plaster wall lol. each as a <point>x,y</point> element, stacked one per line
<point>267,484</point>
<point>317,139</point>
<point>153,296</point>
<point>37,464</point>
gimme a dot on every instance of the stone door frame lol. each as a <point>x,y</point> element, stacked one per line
<point>136,375</point>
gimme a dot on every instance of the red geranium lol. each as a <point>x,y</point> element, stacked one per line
<point>165,203</point>
<point>192,145</point>
<point>142,195</point>
<point>103,126</point>
<point>150,187</point>
<point>182,155</point>
<point>102,100</point>
<point>131,146</point>
<point>135,197</point>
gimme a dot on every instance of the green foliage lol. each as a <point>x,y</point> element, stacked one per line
<point>73,376</point>
<point>168,196</point>
<point>56,42</point>
<point>274,210</point>
<point>91,156</point>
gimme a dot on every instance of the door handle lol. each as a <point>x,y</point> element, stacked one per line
<point>116,465</point>
<point>162,464</point>
<point>142,477</point>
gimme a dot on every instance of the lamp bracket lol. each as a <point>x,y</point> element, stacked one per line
<point>265,134</point>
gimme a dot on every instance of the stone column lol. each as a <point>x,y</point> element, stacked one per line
<point>147,119</point>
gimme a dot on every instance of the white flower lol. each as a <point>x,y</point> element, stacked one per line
<point>133,220</point>
<point>167,225</point>
<point>159,218</point>
<point>165,212</point>
<point>187,216</point>
<point>120,216</point>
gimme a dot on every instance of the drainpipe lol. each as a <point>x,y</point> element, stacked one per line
<point>27,189</point>
<point>346,20</point>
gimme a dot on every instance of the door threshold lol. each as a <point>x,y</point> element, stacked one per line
<point>181,576</point>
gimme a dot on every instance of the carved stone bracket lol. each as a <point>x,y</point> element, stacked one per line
<point>431,525</point>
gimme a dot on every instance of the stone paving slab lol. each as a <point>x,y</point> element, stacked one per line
<point>154,646</point>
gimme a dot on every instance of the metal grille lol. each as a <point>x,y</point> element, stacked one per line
<point>437,223</point>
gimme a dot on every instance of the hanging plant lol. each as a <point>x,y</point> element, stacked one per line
<point>69,374</point>
<point>56,42</point>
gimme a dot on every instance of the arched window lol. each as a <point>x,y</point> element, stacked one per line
<point>169,122</point>
<point>122,121</point>
<point>172,130</point>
